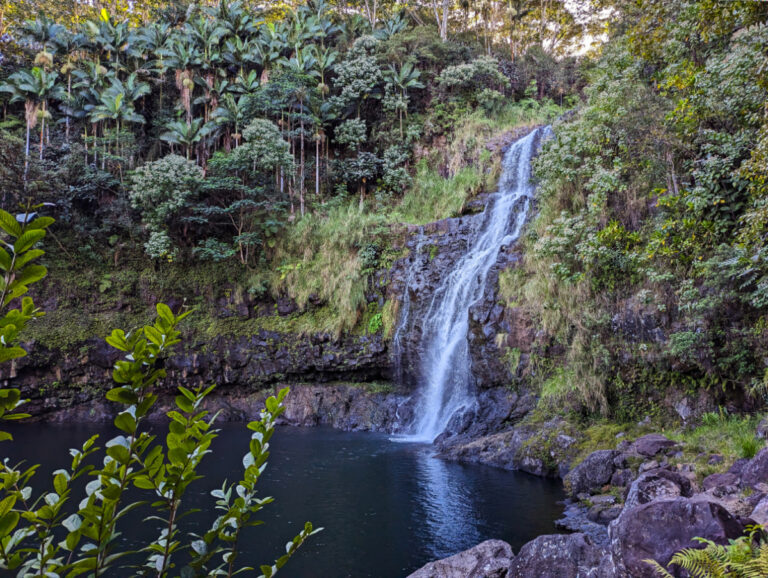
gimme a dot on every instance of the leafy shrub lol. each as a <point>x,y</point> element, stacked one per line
<point>49,533</point>
<point>162,188</point>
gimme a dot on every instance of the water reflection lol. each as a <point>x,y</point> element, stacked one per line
<point>449,516</point>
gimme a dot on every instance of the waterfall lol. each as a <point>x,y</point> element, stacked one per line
<point>445,373</point>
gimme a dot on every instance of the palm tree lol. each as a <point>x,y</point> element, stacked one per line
<point>405,78</point>
<point>271,44</point>
<point>70,44</point>
<point>182,55</point>
<point>231,111</point>
<point>43,31</point>
<point>34,87</point>
<point>91,79</point>
<point>324,59</point>
<point>187,134</point>
<point>116,104</point>
<point>151,39</point>
<point>236,20</point>
<point>111,38</point>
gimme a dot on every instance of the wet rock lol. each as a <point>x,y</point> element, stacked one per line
<point>557,556</point>
<point>594,472</point>
<point>576,519</point>
<point>489,559</point>
<point>542,450</point>
<point>494,408</point>
<point>651,444</point>
<point>604,515</point>
<point>756,470</point>
<point>658,529</point>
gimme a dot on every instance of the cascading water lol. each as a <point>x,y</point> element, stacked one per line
<point>446,387</point>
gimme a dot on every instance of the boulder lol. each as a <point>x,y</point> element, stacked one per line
<point>756,470</point>
<point>622,478</point>
<point>489,559</point>
<point>655,485</point>
<point>658,529</point>
<point>760,513</point>
<point>576,519</point>
<point>604,514</point>
<point>738,466</point>
<point>762,429</point>
<point>558,556</point>
<point>651,444</point>
<point>594,472</point>
<point>720,481</point>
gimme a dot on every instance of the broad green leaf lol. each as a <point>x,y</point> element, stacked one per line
<point>5,260</point>
<point>9,224</point>
<point>41,223</point>
<point>31,274</point>
<point>8,353</point>
<point>27,239</point>
<point>125,422</point>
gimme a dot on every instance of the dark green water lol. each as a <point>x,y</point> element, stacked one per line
<point>387,507</point>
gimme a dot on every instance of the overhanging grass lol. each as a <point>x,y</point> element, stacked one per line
<point>434,197</point>
<point>318,259</point>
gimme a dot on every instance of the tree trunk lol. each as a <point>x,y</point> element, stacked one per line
<point>317,167</point>
<point>69,102</point>
<point>26,154</point>
<point>42,132</point>
<point>301,162</point>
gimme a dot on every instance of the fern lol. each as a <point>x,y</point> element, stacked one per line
<point>745,557</point>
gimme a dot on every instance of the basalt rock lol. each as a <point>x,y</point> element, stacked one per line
<point>489,559</point>
<point>342,406</point>
<point>594,472</point>
<point>756,470</point>
<point>650,445</point>
<point>658,529</point>
<point>55,380</point>
<point>543,450</point>
<point>557,556</point>
<point>655,485</point>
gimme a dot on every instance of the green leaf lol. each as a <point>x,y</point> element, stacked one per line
<point>117,340</point>
<point>8,523</point>
<point>8,353</point>
<point>184,404</point>
<point>30,255</point>
<point>122,395</point>
<point>154,335</point>
<point>9,224</point>
<point>5,260</point>
<point>125,422</point>
<point>31,274</point>
<point>143,483</point>
<point>165,312</point>
<point>60,483</point>
<point>41,223</point>
<point>27,239</point>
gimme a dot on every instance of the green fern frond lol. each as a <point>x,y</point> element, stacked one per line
<point>658,568</point>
